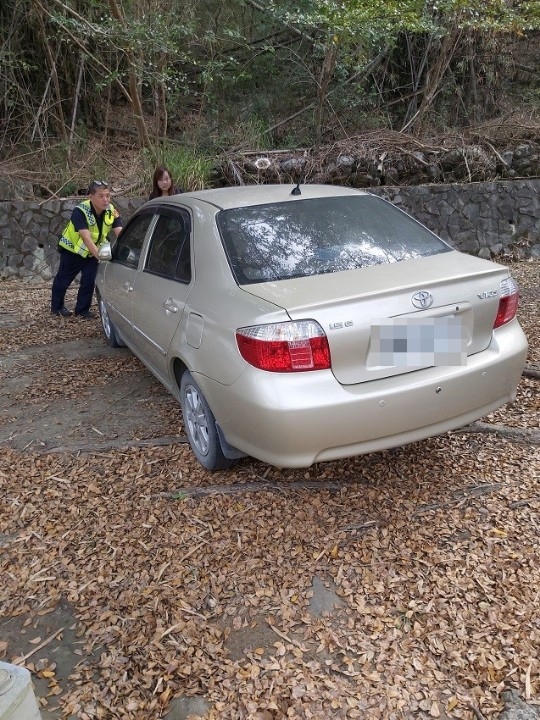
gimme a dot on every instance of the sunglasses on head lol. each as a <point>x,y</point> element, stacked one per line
<point>96,184</point>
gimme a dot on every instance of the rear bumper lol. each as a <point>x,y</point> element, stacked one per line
<point>294,420</point>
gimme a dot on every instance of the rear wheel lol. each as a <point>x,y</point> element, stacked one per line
<point>109,330</point>
<point>200,426</point>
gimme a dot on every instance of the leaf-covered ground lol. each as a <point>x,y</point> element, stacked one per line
<point>189,584</point>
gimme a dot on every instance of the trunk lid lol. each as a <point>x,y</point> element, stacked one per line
<point>350,306</point>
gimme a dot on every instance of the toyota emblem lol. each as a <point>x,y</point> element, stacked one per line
<point>422,299</point>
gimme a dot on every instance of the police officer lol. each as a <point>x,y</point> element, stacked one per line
<point>90,223</point>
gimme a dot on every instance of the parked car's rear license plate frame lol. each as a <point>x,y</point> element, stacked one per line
<point>418,342</point>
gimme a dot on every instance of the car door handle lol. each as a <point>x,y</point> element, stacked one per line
<point>170,306</point>
<point>128,287</point>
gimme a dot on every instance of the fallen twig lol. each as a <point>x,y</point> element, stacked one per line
<point>285,637</point>
<point>524,435</point>
<point>116,445</point>
<point>460,497</point>
<point>238,488</point>
<point>531,372</point>
<point>477,713</point>
<point>21,660</point>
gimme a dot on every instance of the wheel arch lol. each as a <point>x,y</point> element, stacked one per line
<point>179,368</point>
<point>231,453</point>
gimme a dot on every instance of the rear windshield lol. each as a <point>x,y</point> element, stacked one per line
<point>317,236</point>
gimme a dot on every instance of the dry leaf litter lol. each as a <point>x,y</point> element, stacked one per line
<point>190,584</point>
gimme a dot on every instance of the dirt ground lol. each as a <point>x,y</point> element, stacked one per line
<point>134,584</point>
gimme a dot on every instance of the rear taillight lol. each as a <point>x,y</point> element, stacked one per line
<point>508,302</point>
<point>285,347</point>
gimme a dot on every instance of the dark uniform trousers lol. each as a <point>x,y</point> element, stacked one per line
<point>70,265</point>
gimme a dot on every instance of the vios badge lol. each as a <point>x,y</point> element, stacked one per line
<point>422,299</point>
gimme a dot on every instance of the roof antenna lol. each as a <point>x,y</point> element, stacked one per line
<point>296,190</point>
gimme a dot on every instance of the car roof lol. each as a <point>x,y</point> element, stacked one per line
<point>246,195</point>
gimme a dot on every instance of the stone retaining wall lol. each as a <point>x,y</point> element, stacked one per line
<point>495,219</point>
<point>487,219</point>
<point>30,230</point>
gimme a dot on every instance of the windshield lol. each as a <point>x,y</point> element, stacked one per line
<point>317,236</point>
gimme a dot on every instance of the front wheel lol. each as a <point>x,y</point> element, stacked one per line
<point>109,330</point>
<point>200,426</point>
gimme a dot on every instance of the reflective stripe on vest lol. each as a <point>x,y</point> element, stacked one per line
<point>72,241</point>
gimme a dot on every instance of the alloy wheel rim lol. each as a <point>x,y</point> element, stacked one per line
<point>105,319</point>
<point>196,421</point>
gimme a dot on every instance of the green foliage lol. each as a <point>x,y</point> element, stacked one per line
<point>70,188</point>
<point>242,67</point>
<point>247,130</point>
<point>531,95</point>
<point>190,169</point>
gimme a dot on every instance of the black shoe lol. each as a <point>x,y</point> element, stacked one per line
<point>85,315</point>
<point>64,312</point>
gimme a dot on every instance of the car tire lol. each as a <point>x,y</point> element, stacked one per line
<point>109,330</point>
<point>200,426</point>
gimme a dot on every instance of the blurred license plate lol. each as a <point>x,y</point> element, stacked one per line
<point>418,342</point>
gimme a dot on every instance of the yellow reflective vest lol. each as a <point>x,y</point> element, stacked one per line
<point>72,241</point>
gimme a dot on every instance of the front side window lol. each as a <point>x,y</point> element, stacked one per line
<point>317,236</point>
<point>127,249</point>
<point>169,253</point>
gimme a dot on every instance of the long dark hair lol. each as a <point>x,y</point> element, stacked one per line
<point>158,174</point>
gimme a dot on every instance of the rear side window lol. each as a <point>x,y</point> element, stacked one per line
<point>169,254</point>
<point>318,236</point>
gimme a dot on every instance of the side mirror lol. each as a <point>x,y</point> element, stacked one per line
<point>105,251</point>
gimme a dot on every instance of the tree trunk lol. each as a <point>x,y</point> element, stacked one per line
<point>327,70</point>
<point>76,104</point>
<point>473,84</point>
<point>59,114</point>
<point>133,80</point>
<point>417,73</point>
<point>434,77</point>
